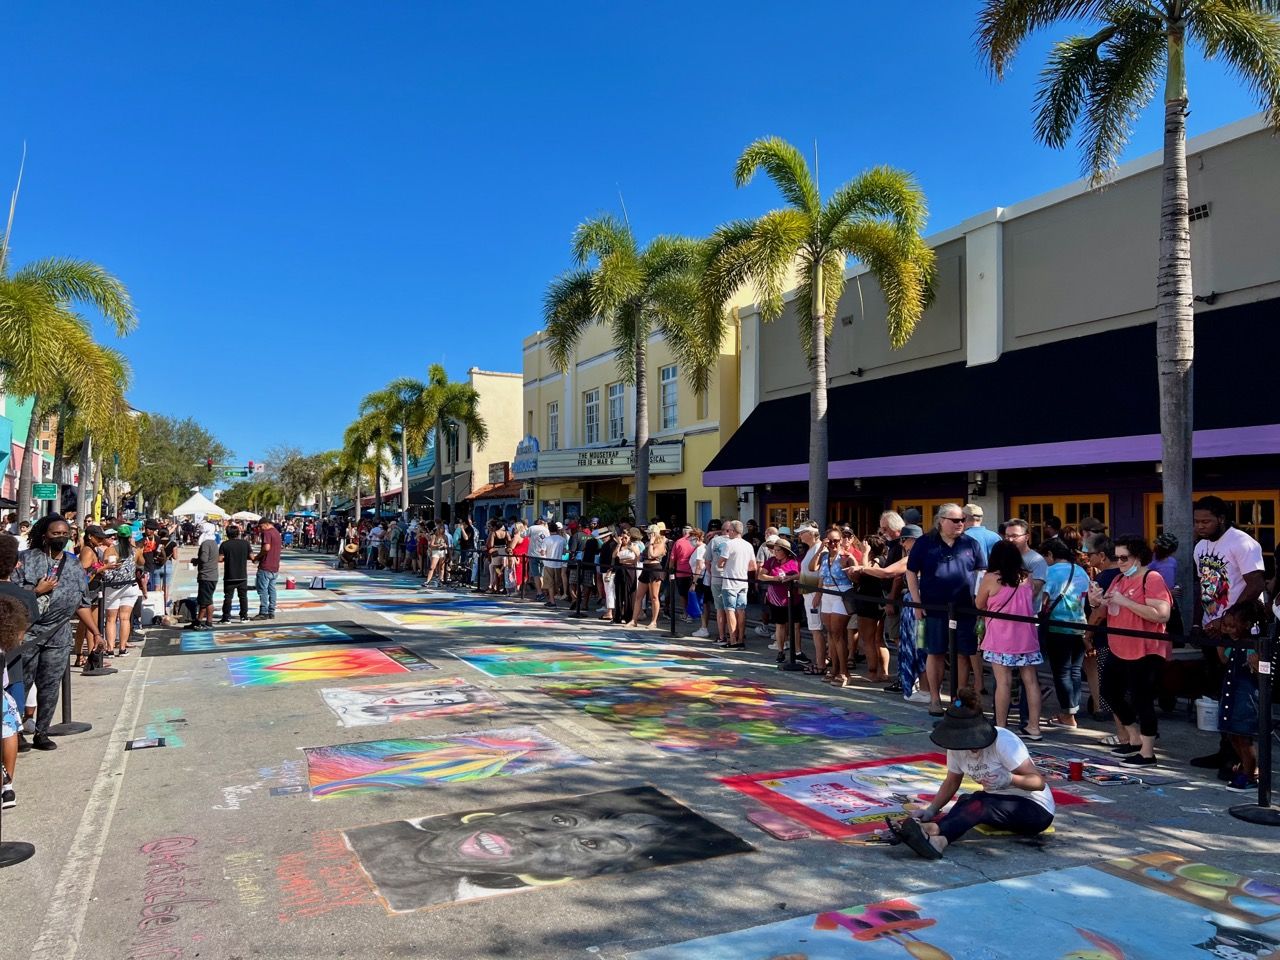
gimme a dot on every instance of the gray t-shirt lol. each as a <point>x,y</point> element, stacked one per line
<point>1038,571</point>
<point>207,558</point>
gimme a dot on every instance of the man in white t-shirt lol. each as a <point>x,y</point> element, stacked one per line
<point>698,566</point>
<point>553,550</point>
<point>734,560</point>
<point>713,578</point>
<point>537,535</point>
<point>374,543</point>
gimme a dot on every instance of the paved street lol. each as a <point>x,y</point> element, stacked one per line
<point>223,844</point>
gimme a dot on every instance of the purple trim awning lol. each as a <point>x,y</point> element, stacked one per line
<point>1227,442</point>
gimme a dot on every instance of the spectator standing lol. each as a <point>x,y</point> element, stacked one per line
<point>206,562</point>
<point>233,554</point>
<point>15,684</point>
<point>538,534</point>
<point>373,542</point>
<point>682,551</point>
<point>1100,563</point>
<point>48,571</point>
<point>554,548</point>
<point>735,559</point>
<point>717,537</point>
<point>779,573</point>
<point>1066,590</point>
<point>15,617</point>
<point>1018,533</point>
<point>268,561</point>
<point>973,517</point>
<point>123,583</point>
<point>1009,645</point>
<point>940,571</point>
<point>891,525</point>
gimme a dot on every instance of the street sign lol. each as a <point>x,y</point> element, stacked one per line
<point>44,491</point>
<point>235,473</point>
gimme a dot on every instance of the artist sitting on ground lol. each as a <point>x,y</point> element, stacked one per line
<point>1013,797</point>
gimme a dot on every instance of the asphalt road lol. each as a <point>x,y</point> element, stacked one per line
<point>213,847</point>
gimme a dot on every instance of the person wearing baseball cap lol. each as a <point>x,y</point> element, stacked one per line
<point>1014,795</point>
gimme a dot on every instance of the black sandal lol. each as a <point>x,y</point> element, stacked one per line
<point>910,833</point>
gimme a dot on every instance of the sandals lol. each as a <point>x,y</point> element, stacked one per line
<point>1111,740</point>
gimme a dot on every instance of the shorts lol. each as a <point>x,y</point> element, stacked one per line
<point>652,575</point>
<point>158,577</point>
<point>683,583</point>
<point>437,554</point>
<point>1014,660</point>
<point>8,717</point>
<point>535,568</point>
<point>935,635</point>
<point>833,604</point>
<point>204,592</point>
<point>778,613</point>
<point>125,596</point>
<point>732,598</point>
<point>705,595</point>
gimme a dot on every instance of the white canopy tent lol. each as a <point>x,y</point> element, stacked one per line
<point>245,515</point>
<point>198,505</point>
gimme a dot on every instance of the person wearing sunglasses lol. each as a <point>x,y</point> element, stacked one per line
<point>834,564</point>
<point>940,571</point>
<point>1138,599</point>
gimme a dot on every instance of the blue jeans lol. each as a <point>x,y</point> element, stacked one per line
<point>1066,657</point>
<point>266,584</point>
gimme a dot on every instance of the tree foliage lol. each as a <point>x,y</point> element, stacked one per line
<point>172,455</point>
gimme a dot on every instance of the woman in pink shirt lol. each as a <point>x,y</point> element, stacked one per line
<point>780,571</point>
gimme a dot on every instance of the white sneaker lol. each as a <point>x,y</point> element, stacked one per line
<point>29,725</point>
<point>701,632</point>
<point>763,631</point>
<point>918,697</point>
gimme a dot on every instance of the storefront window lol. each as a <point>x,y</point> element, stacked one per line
<point>1069,509</point>
<point>1253,511</point>
<point>928,509</point>
<point>786,515</point>
<point>553,426</point>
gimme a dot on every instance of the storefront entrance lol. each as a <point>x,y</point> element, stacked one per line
<point>671,507</point>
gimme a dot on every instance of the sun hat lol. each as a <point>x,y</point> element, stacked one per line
<point>781,543</point>
<point>659,525</point>
<point>911,532</point>
<point>350,548</point>
<point>963,728</point>
<point>784,531</point>
<point>771,539</point>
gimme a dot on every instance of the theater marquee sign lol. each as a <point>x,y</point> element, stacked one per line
<point>600,461</point>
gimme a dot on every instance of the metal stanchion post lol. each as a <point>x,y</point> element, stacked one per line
<point>954,653</point>
<point>97,667</point>
<point>68,726</point>
<point>672,593</point>
<point>1263,812</point>
<point>790,662</point>
<point>13,851</point>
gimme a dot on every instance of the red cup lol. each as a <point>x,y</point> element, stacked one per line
<point>1075,770</point>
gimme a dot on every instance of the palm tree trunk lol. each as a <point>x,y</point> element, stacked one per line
<point>59,448</point>
<point>819,454</point>
<point>83,488</point>
<point>1175,320</point>
<point>356,511</point>
<point>24,476</point>
<point>642,430</point>
<point>437,476</point>
<point>404,476</point>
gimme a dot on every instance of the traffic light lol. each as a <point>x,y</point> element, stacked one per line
<point>251,466</point>
<point>208,464</point>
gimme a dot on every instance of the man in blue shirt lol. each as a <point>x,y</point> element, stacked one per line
<point>973,528</point>
<point>940,570</point>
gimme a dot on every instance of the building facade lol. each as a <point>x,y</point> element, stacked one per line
<point>1030,384</point>
<point>577,452</point>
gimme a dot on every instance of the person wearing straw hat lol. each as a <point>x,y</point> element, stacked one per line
<point>1014,795</point>
<point>779,572</point>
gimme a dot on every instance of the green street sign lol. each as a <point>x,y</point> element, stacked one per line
<point>235,473</point>
<point>44,491</point>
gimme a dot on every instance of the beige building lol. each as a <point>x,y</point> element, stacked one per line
<point>579,431</point>
<point>469,470</point>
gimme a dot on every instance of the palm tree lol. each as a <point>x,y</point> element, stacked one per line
<point>46,347</point>
<point>403,405</point>
<point>1104,81</point>
<point>875,218</point>
<point>118,434</point>
<point>367,440</point>
<point>446,406</point>
<point>634,292</point>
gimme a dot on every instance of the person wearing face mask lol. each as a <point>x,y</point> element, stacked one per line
<point>1138,599</point>
<point>61,590</point>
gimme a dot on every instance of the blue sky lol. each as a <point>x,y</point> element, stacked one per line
<point>307,200</point>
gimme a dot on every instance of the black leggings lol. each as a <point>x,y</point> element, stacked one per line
<point>1130,688</point>
<point>1003,810</point>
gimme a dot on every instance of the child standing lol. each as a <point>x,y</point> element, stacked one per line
<point>1238,705</point>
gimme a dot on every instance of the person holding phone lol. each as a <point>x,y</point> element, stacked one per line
<point>61,589</point>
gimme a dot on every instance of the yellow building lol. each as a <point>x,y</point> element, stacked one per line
<point>579,428</point>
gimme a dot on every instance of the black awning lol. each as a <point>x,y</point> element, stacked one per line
<point>1099,391</point>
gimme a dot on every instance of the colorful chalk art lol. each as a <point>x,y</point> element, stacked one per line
<point>1153,907</point>
<point>272,668</point>
<point>849,799</point>
<point>711,713</point>
<point>499,850</point>
<point>376,766</point>
<point>275,635</point>
<point>523,660</point>
<point>410,700</point>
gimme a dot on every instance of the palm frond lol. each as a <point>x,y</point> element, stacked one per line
<point>786,167</point>
<point>1004,24</point>
<point>70,281</point>
<point>881,192</point>
<point>625,329</point>
<point>1124,82</point>
<point>778,238</point>
<point>726,263</point>
<point>617,278</point>
<point>903,266</point>
<point>567,312</point>
<point>1069,74</point>
<point>600,238</point>
<point>692,332</point>
<point>1247,36</point>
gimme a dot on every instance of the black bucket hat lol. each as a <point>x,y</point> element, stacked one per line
<point>963,729</point>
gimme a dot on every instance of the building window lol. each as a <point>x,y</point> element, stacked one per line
<point>44,444</point>
<point>529,431</point>
<point>670,412</point>
<point>591,417</point>
<point>787,515</point>
<point>451,443</point>
<point>1253,511</point>
<point>553,426</point>
<point>617,425</point>
<point>1069,509</point>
